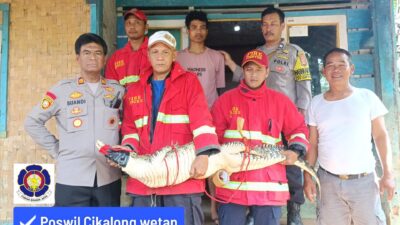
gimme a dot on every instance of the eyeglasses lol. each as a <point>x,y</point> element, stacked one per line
<point>89,54</point>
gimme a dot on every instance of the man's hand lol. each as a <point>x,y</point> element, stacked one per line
<point>112,164</point>
<point>199,166</point>
<point>310,189</point>
<point>228,60</point>
<point>117,155</point>
<point>302,111</point>
<point>291,157</point>
<point>387,183</point>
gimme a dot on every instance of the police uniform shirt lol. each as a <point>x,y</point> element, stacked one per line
<point>82,118</point>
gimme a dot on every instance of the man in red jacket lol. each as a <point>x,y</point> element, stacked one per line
<point>168,107</point>
<point>267,114</point>
<point>129,63</point>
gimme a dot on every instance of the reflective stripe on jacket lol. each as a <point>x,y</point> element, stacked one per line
<point>267,114</point>
<point>183,117</point>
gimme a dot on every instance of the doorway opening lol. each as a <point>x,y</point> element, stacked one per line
<point>235,37</point>
<point>316,35</point>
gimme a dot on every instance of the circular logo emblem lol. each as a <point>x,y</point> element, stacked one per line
<point>77,123</point>
<point>34,182</point>
<point>112,121</point>
<point>46,102</point>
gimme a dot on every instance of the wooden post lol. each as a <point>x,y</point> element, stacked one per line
<point>387,86</point>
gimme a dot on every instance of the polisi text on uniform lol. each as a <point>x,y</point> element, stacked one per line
<point>281,62</point>
<point>76,102</point>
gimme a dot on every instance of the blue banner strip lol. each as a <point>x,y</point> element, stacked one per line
<point>98,216</point>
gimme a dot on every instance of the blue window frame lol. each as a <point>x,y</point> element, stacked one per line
<point>96,16</point>
<point>4,30</point>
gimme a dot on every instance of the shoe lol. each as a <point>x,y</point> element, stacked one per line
<point>293,214</point>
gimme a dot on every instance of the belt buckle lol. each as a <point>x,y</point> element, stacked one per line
<point>344,177</point>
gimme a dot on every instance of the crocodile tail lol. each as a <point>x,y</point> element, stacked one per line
<point>220,178</point>
<point>306,167</point>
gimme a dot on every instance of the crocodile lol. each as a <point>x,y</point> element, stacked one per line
<point>171,164</point>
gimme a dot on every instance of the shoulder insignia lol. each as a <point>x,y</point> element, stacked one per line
<point>81,81</point>
<point>48,100</point>
<point>75,95</point>
<point>301,69</point>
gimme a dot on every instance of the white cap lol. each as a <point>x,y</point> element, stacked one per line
<point>164,37</point>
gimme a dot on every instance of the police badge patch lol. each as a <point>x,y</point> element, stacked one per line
<point>48,100</point>
<point>112,122</point>
<point>301,69</point>
<point>77,123</point>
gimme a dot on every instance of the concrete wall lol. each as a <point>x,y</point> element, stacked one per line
<point>41,52</point>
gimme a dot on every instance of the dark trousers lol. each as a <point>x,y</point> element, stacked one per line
<point>107,195</point>
<point>234,214</point>
<point>190,202</point>
<point>295,181</point>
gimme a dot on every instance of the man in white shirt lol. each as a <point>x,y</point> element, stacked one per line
<point>342,121</point>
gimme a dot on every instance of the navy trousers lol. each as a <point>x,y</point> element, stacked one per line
<point>234,214</point>
<point>107,195</point>
<point>190,202</point>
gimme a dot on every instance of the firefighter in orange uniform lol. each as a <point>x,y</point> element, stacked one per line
<point>267,114</point>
